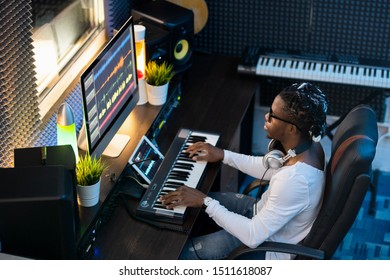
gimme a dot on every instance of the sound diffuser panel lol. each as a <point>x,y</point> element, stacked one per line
<point>357,28</point>
<point>233,25</point>
<point>19,115</point>
<point>117,12</point>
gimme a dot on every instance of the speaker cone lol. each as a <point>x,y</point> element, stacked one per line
<point>181,51</point>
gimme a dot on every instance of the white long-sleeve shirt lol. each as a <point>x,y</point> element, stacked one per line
<point>286,211</point>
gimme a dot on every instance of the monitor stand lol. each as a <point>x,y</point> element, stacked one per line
<point>113,150</point>
<point>117,145</point>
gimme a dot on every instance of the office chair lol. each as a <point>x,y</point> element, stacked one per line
<point>347,181</point>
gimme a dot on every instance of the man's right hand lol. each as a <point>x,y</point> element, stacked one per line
<point>201,151</point>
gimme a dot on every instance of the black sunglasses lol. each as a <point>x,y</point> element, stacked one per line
<point>271,115</point>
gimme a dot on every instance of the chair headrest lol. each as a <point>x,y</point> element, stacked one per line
<point>361,120</point>
<point>341,149</point>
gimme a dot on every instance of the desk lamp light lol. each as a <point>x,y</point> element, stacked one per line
<point>66,128</point>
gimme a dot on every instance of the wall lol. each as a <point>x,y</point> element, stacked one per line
<point>353,30</point>
<point>349,28</point>
<point>19,117</point>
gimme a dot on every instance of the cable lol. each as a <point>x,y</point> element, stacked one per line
<point>137,181</point>
<point>153,157</point>
<point>258,191</point>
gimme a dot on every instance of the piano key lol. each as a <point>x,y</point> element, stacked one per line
<point>194,139</point>
<point>183,153</point>
<point>166,190</point>
<point>184,166</point>
<point>179,177</point>
<point>261,61</point>
<point>173,184</point>
<point>185,160</point>
<point>342,73</point>
<point>178,171</point>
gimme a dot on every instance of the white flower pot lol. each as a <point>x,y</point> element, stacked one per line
<point>88,196</point>
<point>157,95</point>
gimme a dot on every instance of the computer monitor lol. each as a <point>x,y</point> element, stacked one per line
<point>110,92</point>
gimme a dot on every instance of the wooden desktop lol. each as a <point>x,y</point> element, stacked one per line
<point>214,98</point>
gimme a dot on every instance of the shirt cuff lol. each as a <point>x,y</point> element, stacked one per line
<point>211,208</point>
<point>226,156</point>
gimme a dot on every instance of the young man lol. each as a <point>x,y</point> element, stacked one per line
<point>287,210</point>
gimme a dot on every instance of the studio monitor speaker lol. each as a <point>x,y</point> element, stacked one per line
<point>171,35</point>
<point>37,217</point>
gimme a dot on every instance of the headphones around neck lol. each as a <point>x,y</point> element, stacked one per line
<point>276,156</point>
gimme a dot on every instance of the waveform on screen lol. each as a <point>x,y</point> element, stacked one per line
<point>113,87</point>
<point>115,107</point>
<point>112,56</point>
<point>115,70</point>
<point>117,67</point>
<point>116,93</point>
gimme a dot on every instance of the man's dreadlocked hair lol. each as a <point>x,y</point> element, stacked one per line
<point>307,106</point>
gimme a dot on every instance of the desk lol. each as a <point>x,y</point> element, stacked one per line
<point>214,98</point>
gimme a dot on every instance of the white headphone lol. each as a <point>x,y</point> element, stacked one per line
<point>276,157</point>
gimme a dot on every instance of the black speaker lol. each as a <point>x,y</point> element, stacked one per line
<point>62,155</point>
<point>38,207</point>
<point>37,218</point>
<point>171,32</point>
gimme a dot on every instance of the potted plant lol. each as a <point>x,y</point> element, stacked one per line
<point>89,170</point>
<point>157,77</point>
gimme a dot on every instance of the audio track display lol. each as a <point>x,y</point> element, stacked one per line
<point>109,86</point>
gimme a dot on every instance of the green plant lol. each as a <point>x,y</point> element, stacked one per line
<point>158,74</point>
<point>89,170</point>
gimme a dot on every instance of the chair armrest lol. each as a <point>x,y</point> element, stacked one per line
<point>261,184</point>
<point>269,246</point>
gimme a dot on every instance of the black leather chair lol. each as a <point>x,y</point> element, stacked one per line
<point>347,181</point>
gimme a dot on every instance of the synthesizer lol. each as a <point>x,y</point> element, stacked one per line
<point>349,71</point>
<point>177,169</point>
